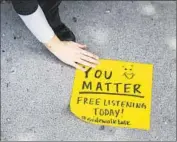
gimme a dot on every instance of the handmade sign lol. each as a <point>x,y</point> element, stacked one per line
<point>115,93</point>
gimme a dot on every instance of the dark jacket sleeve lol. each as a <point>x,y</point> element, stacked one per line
<point>25,7</point>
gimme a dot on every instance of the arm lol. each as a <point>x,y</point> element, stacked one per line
<point>33,17</point>
<point>69,52</point>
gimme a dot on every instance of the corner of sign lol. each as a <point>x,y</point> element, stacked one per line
<point>148,128</point>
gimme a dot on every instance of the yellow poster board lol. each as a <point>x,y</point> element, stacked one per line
<point>115,93</point>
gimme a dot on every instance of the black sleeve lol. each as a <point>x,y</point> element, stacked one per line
<point>25,7</point>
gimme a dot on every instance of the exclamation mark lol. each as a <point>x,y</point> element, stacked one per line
<point>122,112</point>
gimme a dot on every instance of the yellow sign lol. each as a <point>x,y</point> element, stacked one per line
<point>115,93</point>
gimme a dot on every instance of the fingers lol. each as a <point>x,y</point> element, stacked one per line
<point>86,63</point>
<point>89,54</point>
<point>89,59</point>
<point>83,46</point>
<point>82,57</point>
<point>79,67</point>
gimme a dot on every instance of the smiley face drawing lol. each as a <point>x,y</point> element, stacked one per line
<point>128,72</point>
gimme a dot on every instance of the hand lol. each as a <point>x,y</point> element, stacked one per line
<point>72,53</point>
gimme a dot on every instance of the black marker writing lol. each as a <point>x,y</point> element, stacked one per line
<point>86,73</point>
<point>87,85</point>
<point>99,87</point>
<point>98,74</point>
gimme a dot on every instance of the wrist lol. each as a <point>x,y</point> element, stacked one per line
<point>53,42</point>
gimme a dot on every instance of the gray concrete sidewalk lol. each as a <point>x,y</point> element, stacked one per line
<point>36,87</point>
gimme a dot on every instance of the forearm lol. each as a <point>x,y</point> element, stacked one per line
<point>38,25</point>
<point>34,19</point>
